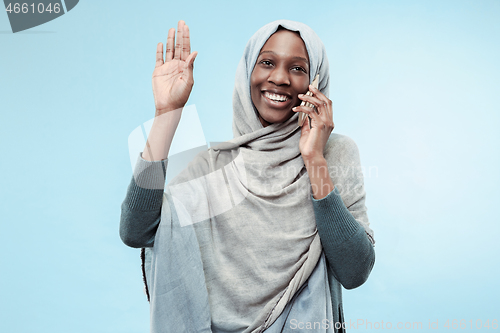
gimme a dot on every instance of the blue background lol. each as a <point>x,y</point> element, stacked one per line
<point>414,83</point>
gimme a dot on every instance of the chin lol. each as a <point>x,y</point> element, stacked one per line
<point>277,119</point>
<point>273,121</point>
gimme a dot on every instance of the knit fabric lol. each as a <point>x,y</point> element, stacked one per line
<point>346,241</point>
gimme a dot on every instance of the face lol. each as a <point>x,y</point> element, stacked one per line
<point>281,72</point>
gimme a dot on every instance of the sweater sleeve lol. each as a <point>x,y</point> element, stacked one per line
<point>349,252</point>
<point>141,209</point>
<point>341,216</point>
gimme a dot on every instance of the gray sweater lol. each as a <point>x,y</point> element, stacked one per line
<point>346,242</point>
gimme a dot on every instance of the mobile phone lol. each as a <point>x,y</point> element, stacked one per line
<point>302,115</point>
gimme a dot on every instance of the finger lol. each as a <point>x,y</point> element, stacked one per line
<point>189,66</point>
<point>178,42</point>
<point>159,55</point>
<point>186,46</point>
<point>317,93</point>
<point>308,93</point>
<point>309,111</point>
<point>318,104</point>
<point>330,113</point>
<point>324,114</point>
<point>170,45</point>
<point>322,104</point>
<point>190,60</point>
<point>303,116</point>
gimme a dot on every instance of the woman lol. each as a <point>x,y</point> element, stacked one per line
<point>260,232</point>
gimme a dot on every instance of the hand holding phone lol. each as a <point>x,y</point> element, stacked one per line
<point>302,115</point>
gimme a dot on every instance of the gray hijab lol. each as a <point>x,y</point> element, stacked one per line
<point>237,237</point>
<point>245,120</point>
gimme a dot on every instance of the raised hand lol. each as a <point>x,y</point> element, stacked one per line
<point>173,76</point>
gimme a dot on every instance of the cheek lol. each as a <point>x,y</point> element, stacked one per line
<point>253,83</point>
<point>256,77</point>
<point>305,85</point>
<point>254,91</point>
<point>301,85</point>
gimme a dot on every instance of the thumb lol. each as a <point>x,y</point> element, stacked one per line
<point>188,69</point>
<point>190,60</point>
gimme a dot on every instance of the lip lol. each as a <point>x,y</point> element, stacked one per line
<point>274,104</point>
<point>277,91</point>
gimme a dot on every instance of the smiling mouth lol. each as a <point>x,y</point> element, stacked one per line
<point>276,97</point>
<point>277,100</point>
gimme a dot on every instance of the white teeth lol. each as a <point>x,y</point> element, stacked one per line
<point>275,97</point>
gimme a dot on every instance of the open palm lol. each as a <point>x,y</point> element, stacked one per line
<point>173,77</point>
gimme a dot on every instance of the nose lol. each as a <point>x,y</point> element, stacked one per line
<point>279,76</point>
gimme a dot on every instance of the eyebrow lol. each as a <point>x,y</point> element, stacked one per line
<point>296,57</point>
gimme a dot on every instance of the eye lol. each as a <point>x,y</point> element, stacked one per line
<point>298,68</point>
<point>266,63</point>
